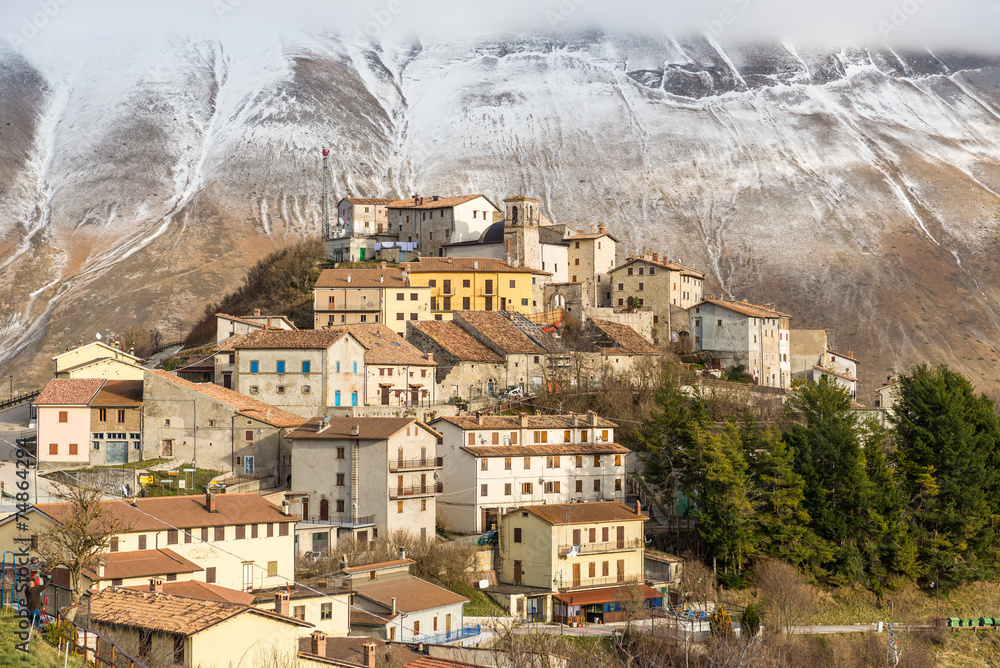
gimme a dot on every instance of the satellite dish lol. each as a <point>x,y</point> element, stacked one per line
<point>483,584</point>
<point>98,336</point>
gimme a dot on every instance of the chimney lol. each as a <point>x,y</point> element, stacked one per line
<point>393,605</point>
<point>156,584</point>
<point>286,508</point>
<point>437,197</point>
<point>368,654</point>
<point>281,603</point>
<point>348,278</point>
<point>343,564</point>
<point>656,257</point>
<point>381,278</point>
<point>317,643</point>
<point>430,357</point>
<point>479,418</point>
<point>355,430</point>
<point>522,420</point>
<point>475,264</point>
<point>591,418</point>
<point>256,312</point>
<point>383,265</point>
<point>402,553</point>
<point>574,421</point>
<point>638,507</point>
<point>210,502</point>
<point>602,228</point>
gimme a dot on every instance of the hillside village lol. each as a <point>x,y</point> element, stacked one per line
<point>409,408</point>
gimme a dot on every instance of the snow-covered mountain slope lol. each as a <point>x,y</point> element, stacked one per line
<point>854,189</point>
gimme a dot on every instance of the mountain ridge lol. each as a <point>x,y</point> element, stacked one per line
<point>855,189</point>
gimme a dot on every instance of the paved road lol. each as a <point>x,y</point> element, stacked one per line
<point>13,422</point>
<point>843,628</point>
<point>609,629</point>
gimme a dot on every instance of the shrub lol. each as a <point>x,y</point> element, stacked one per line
<point>750,621</point>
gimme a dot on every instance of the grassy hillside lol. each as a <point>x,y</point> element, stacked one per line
<point>40,654</point>
<point>280,284</point>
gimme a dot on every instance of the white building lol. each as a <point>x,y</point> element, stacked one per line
<point>497,462</point>
<point>367,476</point>
<point>743,333</point>
<point>433,222</point>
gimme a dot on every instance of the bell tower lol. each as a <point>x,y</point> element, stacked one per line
<point>520,231</point>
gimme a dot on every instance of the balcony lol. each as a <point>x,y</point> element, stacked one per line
<point>595,583</point>
<point>604,548</point>
<point>344,521</point>
<point>416,490</point>
<point>469,631</point>
<point>421,463</point>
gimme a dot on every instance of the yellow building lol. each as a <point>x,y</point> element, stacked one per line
<point>474,284</point>
<point>581,560</point>
<point>357,296</point>
<point>98,360</point>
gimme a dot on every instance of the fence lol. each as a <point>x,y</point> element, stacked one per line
<point>19,399</point>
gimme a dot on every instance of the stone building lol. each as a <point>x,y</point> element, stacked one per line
<point>741,333</point>
<point>358,296</point>
<point>433,222</point>
<point>651,282</point>
<point>466,368</point>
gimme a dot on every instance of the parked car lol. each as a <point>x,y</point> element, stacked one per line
<point>488,538</point>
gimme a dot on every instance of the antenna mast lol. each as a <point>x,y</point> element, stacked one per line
<point>327,232</point>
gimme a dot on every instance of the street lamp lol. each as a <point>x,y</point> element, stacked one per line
<point>12,388</point>
<point>937,600</point>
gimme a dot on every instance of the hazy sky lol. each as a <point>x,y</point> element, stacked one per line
<point>938,24</point>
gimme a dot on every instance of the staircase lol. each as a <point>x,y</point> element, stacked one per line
<point>532,331</point>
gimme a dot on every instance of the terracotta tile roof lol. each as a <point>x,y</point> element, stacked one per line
<point>69,391</point>
<point>530,421</point>
<point>369,428</point>
<point>746,308</point>
<point>381,566</point>
<point>411,593</point>
<point>103,360</point>
<point>176,615</point>
<point>488,265</point>
<point>831,372</point>
<point>370,200</point>
<point>362,618</point>
<point>257,320</point>
<point>430,203</point>
<point>625,339</point>
<point>271,339</point>
<point>846,357</point>
<point>389,278</point>
<point>231,343</point>
<point>437,662</point>
<point>500,331</point>
<point>384,346</point>
<point>142,564</point>
<point>582,513</point>
<point>672,266</point>
<point>243,404</point>
<point>520,198</point>
<point>184,512</point>
<point>607,595</point>
<point>349,651</point>
<point>297,593</point>
<point>119,393</point>
<point>589,237</point>
<point>547,449</point>
<point>456,341</point>
<point>201,590</point>
<point>113,352</point>
<point>198,363</point>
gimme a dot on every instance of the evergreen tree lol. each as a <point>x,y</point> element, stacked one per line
<point>836,487</point>
<point>725,515</point>
<point>947,440</point>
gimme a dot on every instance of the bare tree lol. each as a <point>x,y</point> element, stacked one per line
<point>81,537</point>
<point>788,599</point>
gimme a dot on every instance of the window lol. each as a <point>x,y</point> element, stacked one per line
<point>718,322</point>
<point>413,316</point>
<point>102,415</point>
<point>114,544</point>
<point>517,535</point>
<point>513,284</point>
<point>652,271</point>
<point>506,489</point>
<point>541,437</point>
<point>338,366</point>
<point>210,574</point>
<point>63,416</point>
<point>416,627</point>
<point>306,366</point>
<point>326,611</point>
<point>97,445</point>
<point>299,612</point>
<point>597,460</point>
<point>336,398</point>
<point>597,485</point>
<point>484,464</point>
<point>254,366</point>
<point>241,531</point>
<point>400,316</point>
<point>466,283</point>
<point>179,649</point>
<point>340,505</point>
<point>567,436</point>
<point>524,302</point>
<point>605,567</point>
<point>249,434</point>
<point>579,486</point>
<point>220,534</point>
<point>283,529</point>
<point>484,490</point>
<point>340,479</point>
<point>204,534</point>
<point>618,460</point>
<point>340,453</point>
<point>306,389</point>
<point>583,436</point>
<point>506,464</point>
<point>399,506</point>
<point>629,271</point>
<point>423,504</point>
<point>592,570</point>
<point>642,286</point>
<point>254,389</point>
<point>254,530</point>
<point>552,462</point>
<point>526,488</point>
<point>621,301</point>
<point>432,283</point>
<point>466,304</point>
<point>513,438</point>
<point>527,463</point>
<point>73,448</point>
<point>280,389</point>
<point>172,537</point>
<point>356,368</point>
<point>142,541</point>
<point>413,296</point>
<point>472,438</point>
<point>618,484</point>
<point>552,487</point>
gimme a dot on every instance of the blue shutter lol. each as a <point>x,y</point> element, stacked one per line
<point>338,367</point>
<point>305,366</point>
<point>336,398</point>
<point>281,366</point>
<point>355,367</point>
<point>254,366</point>
<point>354,398</point>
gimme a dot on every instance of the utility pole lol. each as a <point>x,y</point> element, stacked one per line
<point>326,194</point>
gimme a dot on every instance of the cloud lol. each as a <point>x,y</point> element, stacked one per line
<point>937,24</point>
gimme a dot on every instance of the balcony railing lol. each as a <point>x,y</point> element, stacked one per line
<point>470,631</point>
<point>416,490</point>
<point>343,521</point>
<point>595,583</point>
<point>416,464</point>
<point>604,548</point>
